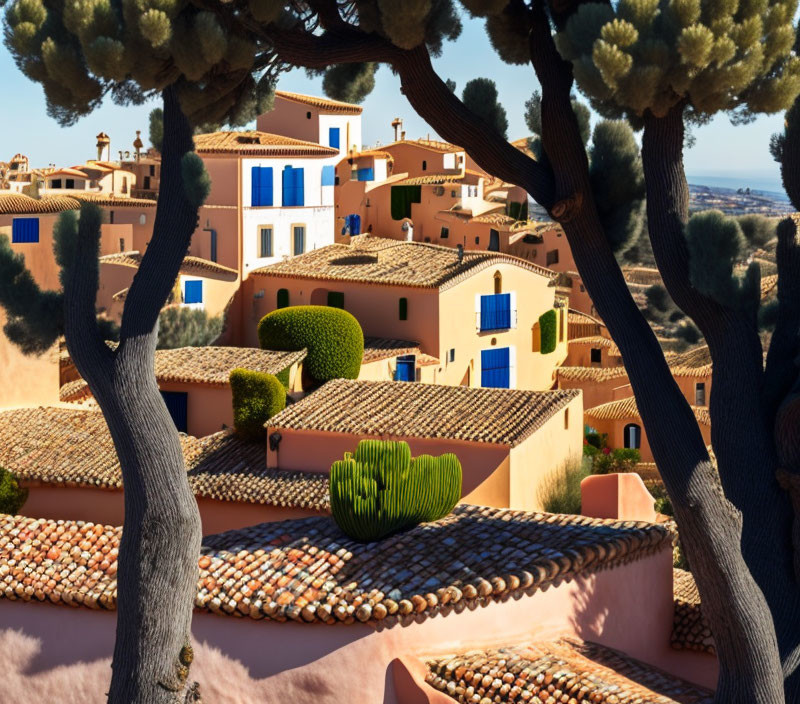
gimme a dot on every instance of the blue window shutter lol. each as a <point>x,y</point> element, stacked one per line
<point>265,185</point>
<point>355,225</point>
<point>328,175</point>
<point>496,311</point>
<point>366,174</point>
<point>299,186</point>
<point>24,230</point>
<point>288,186</point>
<point>193,292</point>
<point>495,368</point>
<point>177,403</point>
<point>406,368</point>
<point>255,185</point>
<point>333,137</point>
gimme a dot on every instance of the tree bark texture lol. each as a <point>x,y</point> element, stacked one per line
<point>742,429</point>
<point>157,564</point>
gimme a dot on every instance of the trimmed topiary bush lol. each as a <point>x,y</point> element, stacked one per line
<point>380,489</point>
<point>333,338</point>
<point>548,328</point>
<point>12,496</point>
<point>257,397</point>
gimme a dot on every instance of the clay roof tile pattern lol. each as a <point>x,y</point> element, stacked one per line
<point>307,570</point>
<point>597,341</point>
<point>625,408</point>
<point>324,104</point>
<point>396,408</point>
<point>690,630</point>
<point>109,200</point>
<point>191,265</point>
<point>388,262</point>
<point>566,670</point>
<point>598,374</point>
<point>379,348</point>
<point>254,143</point>
<point>72,447</point>
<point>19,204</point>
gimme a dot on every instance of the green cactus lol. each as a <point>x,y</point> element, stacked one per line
<point>380,489</point>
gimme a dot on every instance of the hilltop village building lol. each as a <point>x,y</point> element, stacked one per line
<point>508,442</point>
<point>478,313</point>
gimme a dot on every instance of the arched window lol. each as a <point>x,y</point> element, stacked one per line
<point>633,436</point>
<point>498,282</point>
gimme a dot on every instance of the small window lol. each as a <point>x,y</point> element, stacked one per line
<point>451,355</point>
<point>596,355</point>
<point>265,242</point>
<point>700,394</point>
<point>477,240</point>
<point>111,217</point>
<point>561,320</point>
<point>566,419</point>
<point>143,219</point>
<point>70,183</point>
<point>498,282</point>
<point>283,298</point>
<point>424,165</point>
<point>124,184</point>
<point>452,194</point>
<point>308,115</point>
<point>55,183</point>
<point>552,257</point>
<point>403,309</point>
<point>633,436</point>
<point>193,292</point>
<point>583,290</point>
<point>299,239</point>
<point>146,183</point>
<point>333,137</point>
<point>336,299</point>
<point>152,170</point>
<point>445,233</point>
<point>121,244</point>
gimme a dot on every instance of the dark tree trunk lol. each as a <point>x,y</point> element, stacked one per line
<point>741,412</point>
<point>157,575</point>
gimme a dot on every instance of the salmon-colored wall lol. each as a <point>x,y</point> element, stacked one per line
<point>408,157</point>
<point>687,385</point>
<point>459,328</point>
<point>39,257</point>
<point>107,506</point>
<point>225,220</point>
<point>619,496</point>
<point>209,408</point>
<point>596,393</point>
<point>26,380</point>
<point>580,355</point>
<point>289,118</point>
<point>52,653</point>
<point>375,307</point>
<point>316,451</point>
<point>113,279</point>
<point>224,172</point>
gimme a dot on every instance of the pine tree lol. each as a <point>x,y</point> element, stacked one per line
<point>480,96</point>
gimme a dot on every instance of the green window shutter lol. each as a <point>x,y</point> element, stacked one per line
<point>403,309</point>
<point>336,299</point>
<point>283,298</point>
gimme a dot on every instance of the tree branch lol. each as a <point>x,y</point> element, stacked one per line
<point>176,218</point>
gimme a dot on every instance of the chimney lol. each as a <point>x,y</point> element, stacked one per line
<point>397,124</point>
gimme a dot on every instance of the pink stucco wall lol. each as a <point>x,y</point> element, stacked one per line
<point>52,653</point>
<point>622,496</point>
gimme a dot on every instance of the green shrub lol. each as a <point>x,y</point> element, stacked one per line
<point>256,398</point>
<point>597,440</point>
<point>663,503</point>
<point>380,489</point>
<point>548,327</point>
<point>560,492</point>
<point>619,460</point>
<point>187,327</point>
<point>332,337</point>
<point>12,496</point>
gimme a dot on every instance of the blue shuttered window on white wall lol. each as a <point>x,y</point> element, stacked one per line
<point>366,174</point>
<point>496,368</point>
<point>293,186</point>
<point>261,186</point>
<point>193,292</point>
<point>24,230</point>
<point>333,137</point>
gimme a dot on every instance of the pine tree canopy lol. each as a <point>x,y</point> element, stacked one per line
<point>480,96</point>
<point>715,55</point>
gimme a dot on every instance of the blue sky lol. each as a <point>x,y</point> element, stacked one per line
<point>722,151</point>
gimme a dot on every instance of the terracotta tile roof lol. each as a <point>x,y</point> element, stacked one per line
<point>596,341</point>
<point>566,670</point>
<point>388,262</point>
<point>324,104</point>
<point>642,276</point>
<point>626,408</point>
<point>690,631</point>
<point>69,171</point>
<point>432,145</point>
<point>494,219</point>
<point>109,200</point>
<point>579,318</point>
<point>591,373</point>
<point>378,348</point>
<point>695,362</point>
<point>307,570</point>
<point>430,180</point>
<point>254,143</point>
<point>202,365</point>
<point>227,468</point>
<point>768,285</point>
<point>72,447</point>
<point>192,266</point>
<point>389,408</point>
<point>19,204</point>
<point>377,153</point>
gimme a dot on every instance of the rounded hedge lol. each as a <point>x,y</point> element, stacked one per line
<point>548,327</point>
<point>257,397</point>
<point>332,336</point>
